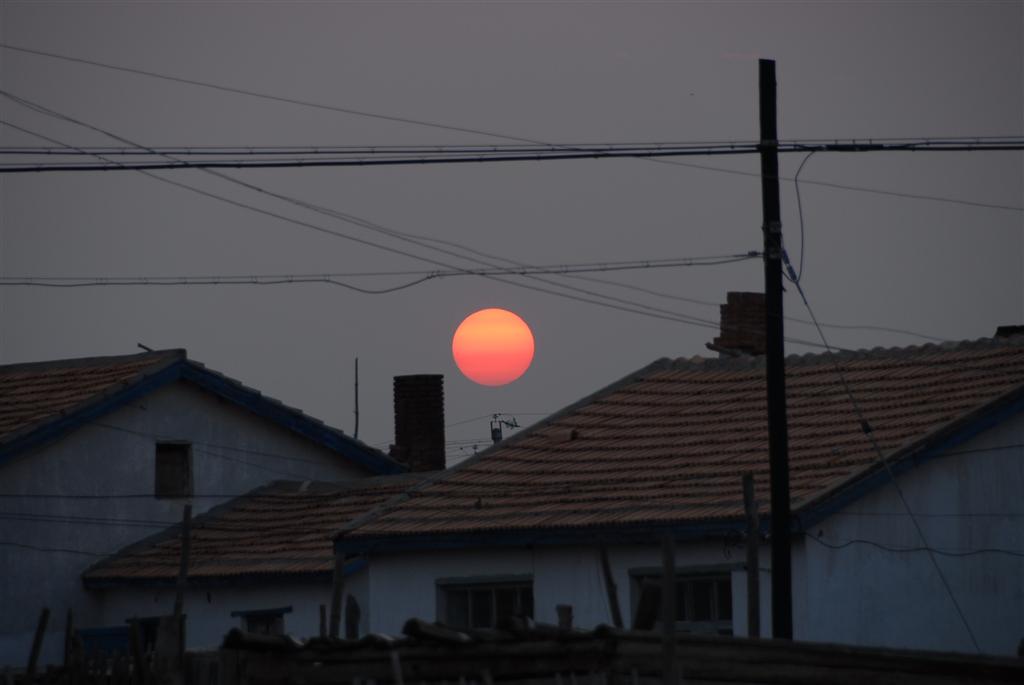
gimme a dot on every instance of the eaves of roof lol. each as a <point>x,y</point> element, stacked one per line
<point>176,366</point>
<point>932,446</point>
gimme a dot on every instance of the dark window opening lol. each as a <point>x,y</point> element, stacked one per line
<point>484,605</point>
<point>263,621</point>
<point>703,602</point>
<point>173,469</point>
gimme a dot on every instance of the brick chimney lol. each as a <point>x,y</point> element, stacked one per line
<point>742,327</point>
<point>419,422</point>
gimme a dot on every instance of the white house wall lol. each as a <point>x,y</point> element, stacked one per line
<point>209,608</point>
<point>98,460</point>
<point>964,503</point>
<point>405,586</point>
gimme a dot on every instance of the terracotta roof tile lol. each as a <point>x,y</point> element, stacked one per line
<point>669,444</point>
<point>283,528</point>
<point>32,394</point>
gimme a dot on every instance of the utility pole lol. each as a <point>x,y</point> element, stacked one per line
<point>778,441</point>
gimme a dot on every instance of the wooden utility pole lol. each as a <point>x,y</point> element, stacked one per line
<point>609,586</point>
<point>186,542</point>
<point>668,609</point>
<point>337,590</point>
<point>37,645</point>
<point>753,563</point>
<point>778,442</point>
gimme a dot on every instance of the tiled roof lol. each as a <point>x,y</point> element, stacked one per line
<point>284,528</point>
<point>668,445</point>
<point>43,400</point>
<point>34,394</point>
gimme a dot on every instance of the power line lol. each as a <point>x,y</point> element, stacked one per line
<point>264,96</point>
<point>493,134</point>
<point>554,153</point>
<point>285,279</point>
<point>869,432</point>
<point>913,550</point>
<point>360,222</point>
<point>396,234</point>
<point>463,149</point>
<point>846,186</point>
<point>607,301</point>
<point>61,550</point>
<point>413,239</point>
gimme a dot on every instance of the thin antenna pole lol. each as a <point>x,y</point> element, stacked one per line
<point>355,433</point>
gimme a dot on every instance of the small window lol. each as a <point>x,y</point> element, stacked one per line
<point>173,469</point>
<point>263,621</point>
<point>468,604</point>
<point>703,601</point>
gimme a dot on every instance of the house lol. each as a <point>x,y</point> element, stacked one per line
<point>96,453</point>
<point>262,562</point>
<point>520,528</point>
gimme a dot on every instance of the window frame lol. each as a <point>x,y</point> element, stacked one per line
<point>686,576</point>
<point>276,614</point>
<point>475,584</point>
<point>188,485</point>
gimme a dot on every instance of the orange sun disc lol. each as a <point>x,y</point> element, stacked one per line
<point>493,347</point>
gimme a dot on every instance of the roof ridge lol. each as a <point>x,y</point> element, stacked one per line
<point>698,363</point>
<point>78,362</point>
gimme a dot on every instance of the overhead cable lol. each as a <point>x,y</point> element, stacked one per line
<point>606,301</point>
<point>461,129</point>
<point>881,457</point>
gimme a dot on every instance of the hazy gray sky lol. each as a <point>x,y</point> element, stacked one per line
<point>557,72</point>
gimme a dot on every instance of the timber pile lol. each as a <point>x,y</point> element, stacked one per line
<point>524,653</point>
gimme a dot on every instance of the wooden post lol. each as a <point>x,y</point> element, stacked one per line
<point>69,634</point>
<point>668,609</point>
<point>37,644</point>
<point>186,535</point>
<point>609,587</point>
<point>753,563</point>
<point>138,659</point>
<point>337,590</point>
<point>564,612</point>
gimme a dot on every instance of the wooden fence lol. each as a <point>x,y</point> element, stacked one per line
<point>520,653</point>
<point>545,655</point>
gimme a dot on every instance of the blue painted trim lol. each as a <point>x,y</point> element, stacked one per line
<point>59,426</point>
<point>291,419</point>
<point>244,580</point>
<point>845,496</point>
<point>620,535</point>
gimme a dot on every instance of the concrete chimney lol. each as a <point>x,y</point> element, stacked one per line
<point>743,326</point>
<point>419,422</point>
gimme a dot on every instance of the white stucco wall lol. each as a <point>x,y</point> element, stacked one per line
<point>964,502</point>
<point>404,586</point>
<point>94,460</point>
<point>209,607</point>
<point>970,499</point>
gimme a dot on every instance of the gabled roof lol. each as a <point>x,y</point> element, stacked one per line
<point>281,531</point>
<point>44,400</point>
<point>666,447</point>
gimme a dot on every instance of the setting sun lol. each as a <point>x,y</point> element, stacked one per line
<point>493,347</point>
